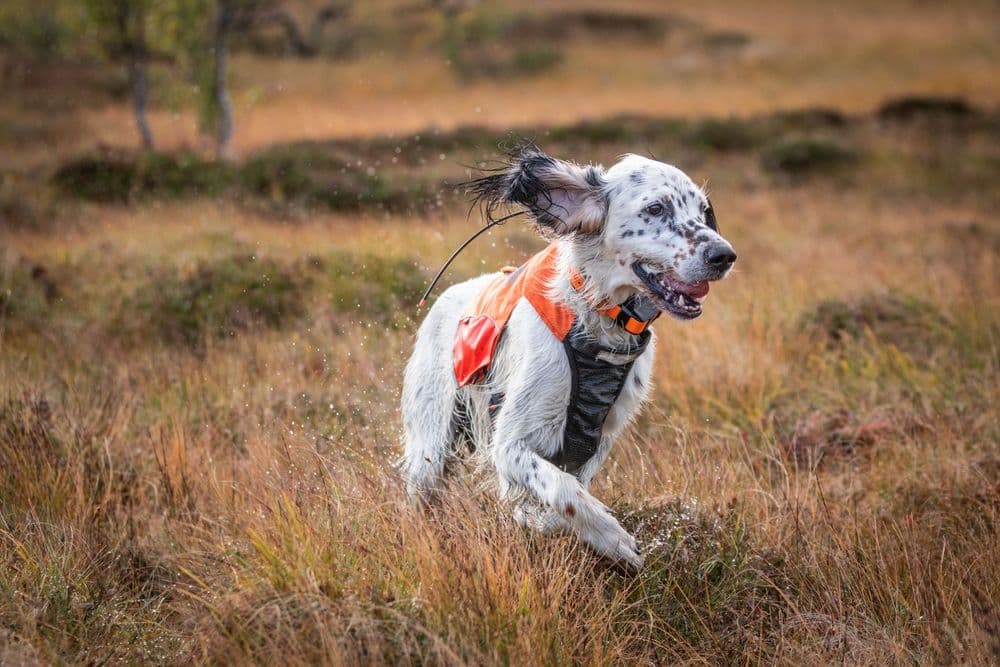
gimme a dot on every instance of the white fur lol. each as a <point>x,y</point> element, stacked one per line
<point>592,228</point>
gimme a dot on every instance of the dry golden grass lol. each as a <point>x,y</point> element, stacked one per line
<point>197,447</point>
<point>832,501</point>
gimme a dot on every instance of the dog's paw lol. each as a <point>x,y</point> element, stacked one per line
<point>629,555</point>
<point>606,536</point>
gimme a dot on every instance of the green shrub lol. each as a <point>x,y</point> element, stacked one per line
<point>490,44</point>
<point>532,60</point>
<point>121,177</point>
<point>377,288</point>
<point>302,174</point>
<point>562,25</point>
<point>19,203</point>
<point>908,323</point>
<point>219,298</point>
<point>35,30</point>
<point>924,106</point>
<point>725,134</point>
<point>809,118</point>
<point>109,179</point>
<point>704,580</point>
<point>727,40</point>
<point>26,294</point>
<point>276,176</point>
<point>804,156</point>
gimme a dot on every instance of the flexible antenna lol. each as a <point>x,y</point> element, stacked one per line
<point>491,224</point>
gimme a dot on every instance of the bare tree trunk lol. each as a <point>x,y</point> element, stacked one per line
<point>134,46</point>
<point>220,47</point>
<point>140,92</point>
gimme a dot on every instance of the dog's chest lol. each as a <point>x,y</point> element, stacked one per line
<point>606,388</point>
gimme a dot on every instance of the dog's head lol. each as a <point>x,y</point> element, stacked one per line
<point>651,228</point>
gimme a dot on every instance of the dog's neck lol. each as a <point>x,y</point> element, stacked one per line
<point>586,256</point>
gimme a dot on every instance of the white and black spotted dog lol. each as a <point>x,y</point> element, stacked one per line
<point>640,232</point>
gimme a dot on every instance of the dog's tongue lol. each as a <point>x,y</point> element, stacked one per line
<point>694,290</point>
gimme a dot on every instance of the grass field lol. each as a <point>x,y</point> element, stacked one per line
<point>200,362</point>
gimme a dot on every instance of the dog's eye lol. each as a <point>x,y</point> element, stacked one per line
<point>710,218</point>
<point>655,208</point>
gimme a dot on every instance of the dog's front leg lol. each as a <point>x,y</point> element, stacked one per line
<point>520,467</point>
<point>540,518</point>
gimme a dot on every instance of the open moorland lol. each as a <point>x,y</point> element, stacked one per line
<point>200,360</point>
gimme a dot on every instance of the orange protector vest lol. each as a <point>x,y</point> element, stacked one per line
<point>598,372</point>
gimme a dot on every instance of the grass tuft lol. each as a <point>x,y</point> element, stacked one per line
<point>705,583</point>
<point>914,107</point>
<point>27,292</point>
<point>800,157</point>
<point>910,324</point>
<point>384,289</point>
<point>218,298</point>
<point>729,134</point>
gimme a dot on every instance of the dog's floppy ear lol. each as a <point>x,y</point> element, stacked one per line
<point>563,197</point>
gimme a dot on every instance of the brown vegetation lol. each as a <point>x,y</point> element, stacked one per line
<point>200,363</point>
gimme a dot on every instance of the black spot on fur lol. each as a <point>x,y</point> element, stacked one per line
<point>637,381</point>
<point>627,233</point>
<point>639,232</point>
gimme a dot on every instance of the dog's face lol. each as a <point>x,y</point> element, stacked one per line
<point>661,229</point>
<point>656,228</point>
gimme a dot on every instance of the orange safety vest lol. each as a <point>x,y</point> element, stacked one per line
<point>479,331</point>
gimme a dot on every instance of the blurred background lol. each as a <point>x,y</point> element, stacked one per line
<point>216,219</point>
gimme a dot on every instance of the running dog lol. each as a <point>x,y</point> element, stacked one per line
<point>538,370</point>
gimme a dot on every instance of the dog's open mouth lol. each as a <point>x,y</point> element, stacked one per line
<point>682,300</point>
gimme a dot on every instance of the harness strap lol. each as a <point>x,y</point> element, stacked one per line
<point>621,314</point>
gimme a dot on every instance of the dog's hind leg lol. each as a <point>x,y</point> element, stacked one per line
<point>429,390</point>
<point>428,404</point>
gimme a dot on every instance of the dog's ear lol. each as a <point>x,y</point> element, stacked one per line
<point>564,198</point>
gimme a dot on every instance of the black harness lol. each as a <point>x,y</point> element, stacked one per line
<point>598,376</point>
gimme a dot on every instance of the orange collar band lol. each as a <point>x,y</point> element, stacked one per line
<point>624,319</point>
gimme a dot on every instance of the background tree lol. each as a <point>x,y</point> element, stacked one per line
<point>299,41</point>
<point>32,30</point>
<point>226,15</point>
<point>121,27</point>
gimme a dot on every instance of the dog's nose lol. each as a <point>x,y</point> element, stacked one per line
<point>720,256</point>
